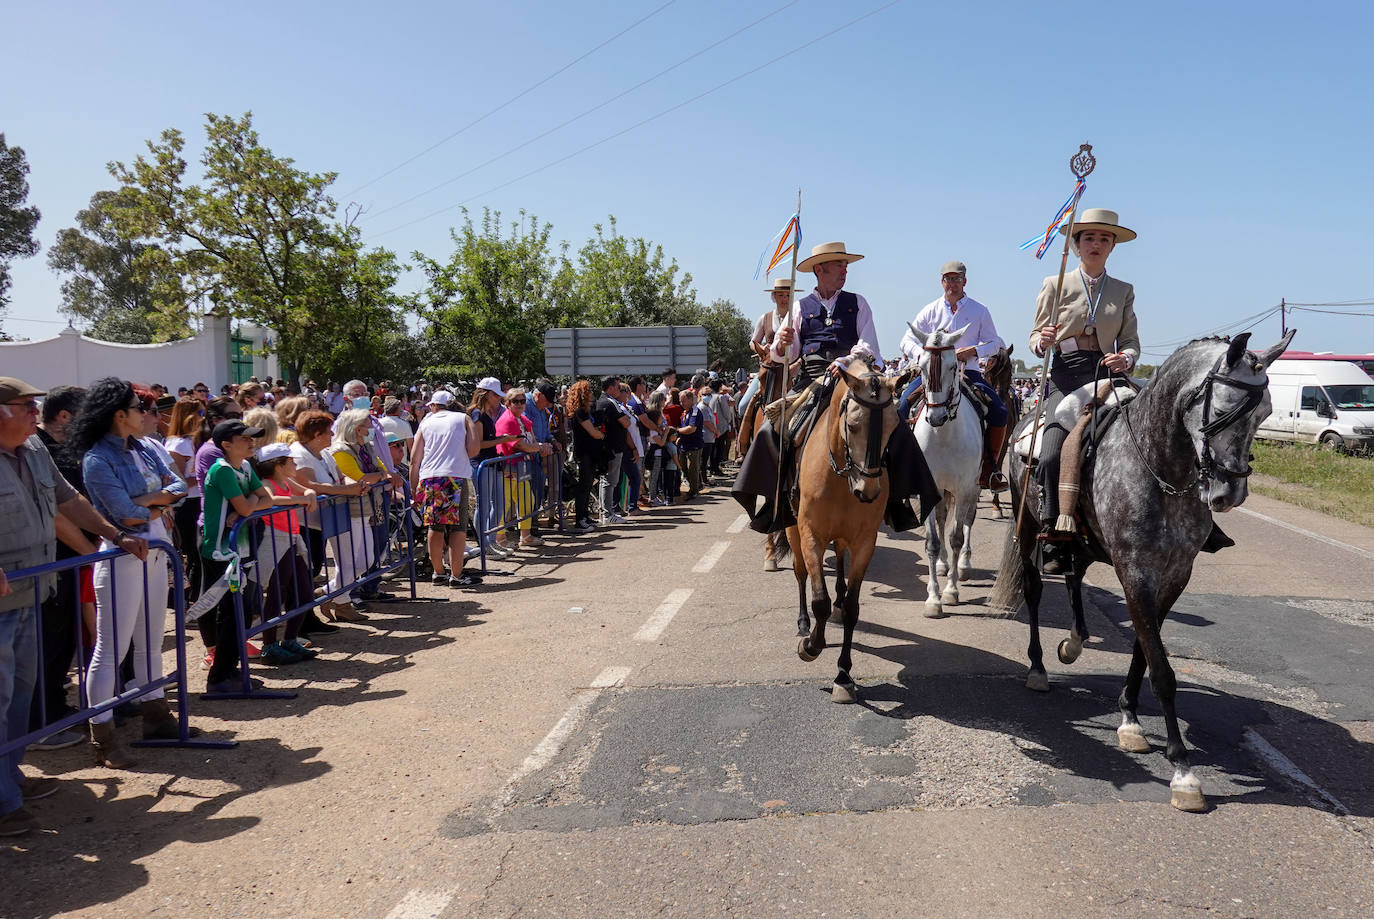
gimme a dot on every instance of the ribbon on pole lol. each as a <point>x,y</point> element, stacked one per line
<point>1042,242</point>
<point>783,244</point>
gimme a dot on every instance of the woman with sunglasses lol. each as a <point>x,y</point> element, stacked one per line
<point>517,477</point>
<point>133,487</point>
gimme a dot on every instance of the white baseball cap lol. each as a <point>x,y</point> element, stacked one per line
<point>441,397</point>
<point>492,384</point>
<point>273,451</point>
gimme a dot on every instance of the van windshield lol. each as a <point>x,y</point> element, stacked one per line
<point>1352,397</point>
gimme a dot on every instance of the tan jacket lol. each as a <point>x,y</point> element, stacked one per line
<point>1115,320</point>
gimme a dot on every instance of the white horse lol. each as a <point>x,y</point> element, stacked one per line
<point>952,441</point>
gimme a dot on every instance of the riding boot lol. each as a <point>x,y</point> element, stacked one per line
<point>1217,540</point>
<point>160,722</point>
<point>991,476</point>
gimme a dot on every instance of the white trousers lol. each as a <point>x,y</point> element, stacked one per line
<point>352,553</point>
<point>123,618</point>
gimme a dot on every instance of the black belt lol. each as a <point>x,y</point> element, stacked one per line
<point>828,354</point>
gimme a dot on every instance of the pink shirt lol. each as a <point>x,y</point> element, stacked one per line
<point>510,423</point>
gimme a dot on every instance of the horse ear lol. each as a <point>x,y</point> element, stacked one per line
<point>958,333</point>
<point>1237,349</point>
<point>1273,353</point>
<point>917,332</point>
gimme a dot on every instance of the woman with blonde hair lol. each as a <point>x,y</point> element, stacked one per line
<point>249,395</point>
<point>518,477</point>
<point>355,457</point>
<point>262,417</point>
<point>288,410</point>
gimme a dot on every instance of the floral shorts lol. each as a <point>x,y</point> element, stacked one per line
<point>443,501</point>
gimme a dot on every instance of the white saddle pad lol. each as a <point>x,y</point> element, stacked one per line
<point>1066,415</point>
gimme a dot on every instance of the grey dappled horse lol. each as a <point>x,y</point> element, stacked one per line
<point>1178,452</point>
<point>952,442</point>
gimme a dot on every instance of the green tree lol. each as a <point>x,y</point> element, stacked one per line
<point>727,333</point>
<point>108,289</point>
<point>488,306</point>
<point>17,222</point>
<point>623,281</point>
<point>251,236</point>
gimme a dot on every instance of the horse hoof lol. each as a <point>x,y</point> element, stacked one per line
<point>941,569</point>
<point>950,598</point>
<point>1037,681</point>
<point>804,654</point>
<point>1131,738</point>
<point>1186,794</point>
<point>770,565</point>
<point>844,693</point>
<point>1069,649</point>
<point>934,610</point>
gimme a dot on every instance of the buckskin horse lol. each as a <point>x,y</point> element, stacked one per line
<point>843,490</point>
<point>1174,455</point>
<point>952,442</point>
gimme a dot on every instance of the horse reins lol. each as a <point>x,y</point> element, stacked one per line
<point>1205,463</point>
<point>875,432</point>
<point>935,379</point>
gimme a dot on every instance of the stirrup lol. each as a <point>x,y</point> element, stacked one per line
<point>997,482</point>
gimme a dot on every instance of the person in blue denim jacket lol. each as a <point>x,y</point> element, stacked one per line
<point>131,485</point>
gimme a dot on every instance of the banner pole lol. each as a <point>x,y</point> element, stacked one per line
<point>1081,164</point>
<point>782,421</point>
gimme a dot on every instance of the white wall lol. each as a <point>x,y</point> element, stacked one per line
<point>73,359</point>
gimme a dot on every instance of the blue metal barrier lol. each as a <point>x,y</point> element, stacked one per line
<point>334,514</point>
<point>501,484</point>
<point>177,678</point>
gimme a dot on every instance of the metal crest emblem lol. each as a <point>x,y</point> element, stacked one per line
<point>1083,162</point>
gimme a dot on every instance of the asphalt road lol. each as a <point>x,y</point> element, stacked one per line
<point>621,726</point>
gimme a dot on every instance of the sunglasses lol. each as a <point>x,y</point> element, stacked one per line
<point>136,407</point>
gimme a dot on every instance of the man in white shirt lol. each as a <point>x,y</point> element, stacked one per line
<point>979,342</point>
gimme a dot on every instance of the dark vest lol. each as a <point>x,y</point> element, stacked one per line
<point>835,339</point>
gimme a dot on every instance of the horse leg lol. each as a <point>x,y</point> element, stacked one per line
<point>813,550</point>
<point>997,506</point>
<point>1186,791</point>
<point>1034,588</point>
<point>1130,736</point>
<point>1071,647</point>
<point>942,520</point>
<point>770,553</point>
<point>934,526</point>
<point>800,572</point>
<point>960,548</point>
<point>841,588</point>
<point>845,691</point>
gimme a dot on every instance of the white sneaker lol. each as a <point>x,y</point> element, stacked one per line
<point>471,552</point>
<point>615,519</point>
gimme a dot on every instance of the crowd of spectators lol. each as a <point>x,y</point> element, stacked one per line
<point>120,465</point>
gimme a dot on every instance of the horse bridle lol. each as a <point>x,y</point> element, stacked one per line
<point>935,379</point>
<point>875,432</point>
<point>1205,463</point>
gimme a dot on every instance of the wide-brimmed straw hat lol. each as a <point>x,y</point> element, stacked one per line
<point>783,284</point>
<point>1099,218</point>
<point>827,252</point>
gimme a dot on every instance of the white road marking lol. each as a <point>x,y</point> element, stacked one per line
<point>553,741</point>
<point>421,904</point>
<point>738,526</point>
<point>1364,553</point>
<point>1285,767</point>
<point>654,626</point>
<point>713,554</point>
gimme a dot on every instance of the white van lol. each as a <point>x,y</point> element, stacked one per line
<point>1326,402</point>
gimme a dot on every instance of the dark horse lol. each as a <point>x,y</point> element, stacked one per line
<point>1177,453</point>
<point>998,371</point>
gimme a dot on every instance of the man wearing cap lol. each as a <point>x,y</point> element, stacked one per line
<point>35,500</point>
<point>826,328</point>
<point>393,424</point>
<point>979,342</point>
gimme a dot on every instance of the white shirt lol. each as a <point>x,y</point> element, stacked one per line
<point>629,412</point>
<point>940,317</point>
<point>446,450</point>
<point>868,335</point>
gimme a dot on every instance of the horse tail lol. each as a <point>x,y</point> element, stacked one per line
<point>782,547</point>
<point>1008,590</point>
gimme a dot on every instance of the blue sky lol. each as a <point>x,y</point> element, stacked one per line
<point>1234,138</point>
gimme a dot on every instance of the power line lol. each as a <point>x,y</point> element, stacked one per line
<point>518,96</point>
<point>1308,309</point>
<point>651,118</point>
<point>595,108</point>
<point>1336,303</point>
<point>1257,317</point>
